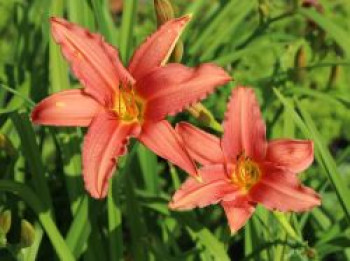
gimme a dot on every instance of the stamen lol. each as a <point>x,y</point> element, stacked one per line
<point>127,106</point>
<point>246,173</point>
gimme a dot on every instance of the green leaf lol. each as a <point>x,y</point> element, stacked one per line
<point>203,236</point>
<point>31,152</point>
<point>340,36</point>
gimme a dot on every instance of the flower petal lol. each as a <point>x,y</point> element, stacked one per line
<point>279,189</point>
<point>214,172</point>
<point>244,128</point>
<point>163,140</point>
<point>93,61</point>
<point>167,90</point>
<point>66,108</point>
<point>106,139</point>
<point>202,146</point>
<point>155,51</point>
<point>193,193</point>
<point>237,216</point>
<point>296,155</point>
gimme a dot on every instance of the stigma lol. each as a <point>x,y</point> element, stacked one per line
<point>246,173</point>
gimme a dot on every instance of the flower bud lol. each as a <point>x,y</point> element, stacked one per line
<point>204,116</point>
<point>311,253</point>
<point>263,9</point>
<point>176,56</point>
<point>300,63</point>
<point>334,76</point>
<point>6,145</point>
<point>164,11</point>
<point>27,233</point>
<point>5,222</point>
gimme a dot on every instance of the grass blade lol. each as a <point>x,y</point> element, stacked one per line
<point>80,228</point>
<point>126,31</point>
<point>114,222</point>
<point>31,152</point>
<point>148,165</point>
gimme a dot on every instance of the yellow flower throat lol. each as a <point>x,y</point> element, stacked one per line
<point>246,173</point>
<point>127,105</point>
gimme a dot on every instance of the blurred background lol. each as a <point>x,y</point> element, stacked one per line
<point>295,54</point>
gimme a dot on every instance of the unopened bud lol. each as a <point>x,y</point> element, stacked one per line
<point>311,253</point>
<point>6,145</point>
<point>300,63</point>
<point>5,222</point>
<point>204,116</point>
<point>164,11</point>
<point>300,57</point>
<point>176,56</point>
<point>116,6</point>
<point>27,233</point>
<point>263,9</point>
<point>335,71</point>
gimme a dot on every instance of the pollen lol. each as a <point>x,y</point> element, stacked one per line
<point>246,173</point>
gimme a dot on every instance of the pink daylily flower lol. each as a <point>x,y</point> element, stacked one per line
<point>243,169</point>
<point>117,103</point>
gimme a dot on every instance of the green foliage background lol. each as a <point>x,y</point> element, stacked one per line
<point>297,59</point>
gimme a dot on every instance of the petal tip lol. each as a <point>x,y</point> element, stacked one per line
<point>98,196</point>
<point>187,17</point>
<point>171,205</point>
<point>57,28</point>
<point>175,206</point>
<point>57,21</point>
<point>95,191</point>
<point>53,19</point>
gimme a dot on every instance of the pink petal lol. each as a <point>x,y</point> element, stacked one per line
<point>237,216</point>
<point>279,189</point>
<point>162,139</point>
<point>244,128</point>
<point>200,194</point>
<point>155,51</point>
<point>66,108</point>
<point>105,141</point>
<point>202,146</point>
<point>93,61</point>
<point>296,155</point>
<point>169,89</point>
<point>211,173</point>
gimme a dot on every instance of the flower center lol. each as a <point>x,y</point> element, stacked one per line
<point>127,105</point>
<point>246,173</point>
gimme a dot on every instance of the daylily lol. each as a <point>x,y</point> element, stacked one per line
<point>118,103</point>
<point>243,169</point>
